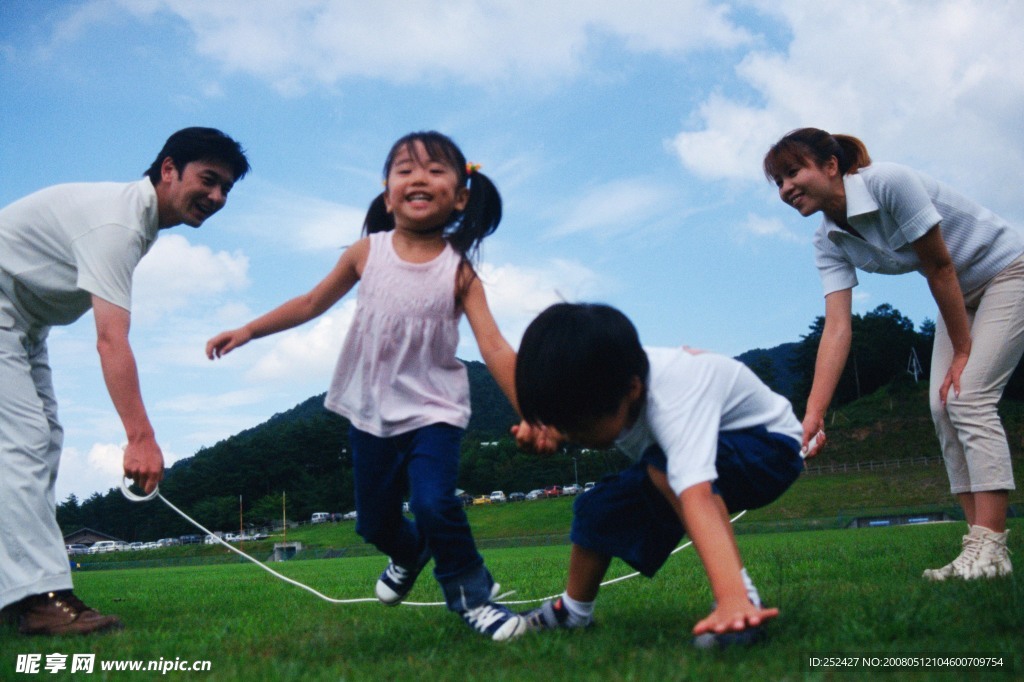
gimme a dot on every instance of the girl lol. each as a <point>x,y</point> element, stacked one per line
<point>887,218</point>
<point>398,380</point>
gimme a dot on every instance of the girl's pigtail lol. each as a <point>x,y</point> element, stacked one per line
<point>479,219</point>
<point>377,217</point>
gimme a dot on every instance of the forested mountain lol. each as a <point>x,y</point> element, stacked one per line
<point>303,452</point>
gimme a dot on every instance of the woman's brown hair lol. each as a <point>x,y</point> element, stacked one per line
<point>799,146</point>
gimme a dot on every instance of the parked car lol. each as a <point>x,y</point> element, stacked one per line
<point>498,497</point>
<point>77,549</point>
<point>210,540</point>
<point>103,546</point>
<point>260,536</point>
<point>190,539</point>
<point>320,517</point>
<point>136,546</point>
<point>482,499</point>
<point>516,497</point>
<point>350,516</point>
<point>588,485</point>
<point>571,489</point>
<point>553,491</point>
<point>534,494</point>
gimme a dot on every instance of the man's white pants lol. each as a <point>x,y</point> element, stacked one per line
<point>33,559</point>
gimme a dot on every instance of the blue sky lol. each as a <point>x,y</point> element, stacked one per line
<point>626,139</point>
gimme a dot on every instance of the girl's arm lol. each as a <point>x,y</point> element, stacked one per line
<point>941,274</point>
<point>828,368</point>
<point>495,350</point>
<point>300,309</point>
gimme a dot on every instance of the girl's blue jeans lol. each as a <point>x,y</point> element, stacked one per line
<point>424,462</point>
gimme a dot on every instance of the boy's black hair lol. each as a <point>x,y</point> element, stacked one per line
<point>577,362</point>
<point>200,144</point>
<point>464,230</point>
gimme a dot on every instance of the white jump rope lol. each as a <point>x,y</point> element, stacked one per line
<point>812,444</point>
<point>156,493</point>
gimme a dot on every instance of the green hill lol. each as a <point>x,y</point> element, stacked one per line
<point>303,453</point>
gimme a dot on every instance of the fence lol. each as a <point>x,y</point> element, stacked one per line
<point>846,467</point>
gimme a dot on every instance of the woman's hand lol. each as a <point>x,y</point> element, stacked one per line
<point>952,380</point>
<point>814,435</point>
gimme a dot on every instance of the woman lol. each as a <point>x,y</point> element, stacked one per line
<point>890,219</point>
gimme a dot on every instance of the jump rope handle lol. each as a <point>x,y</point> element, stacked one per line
<point>812,444</point>
<point>126,491</point>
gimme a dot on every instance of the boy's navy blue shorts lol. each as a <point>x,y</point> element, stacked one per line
<point>625,516</point>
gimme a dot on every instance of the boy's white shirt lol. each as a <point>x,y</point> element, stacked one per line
<point>691,398</point>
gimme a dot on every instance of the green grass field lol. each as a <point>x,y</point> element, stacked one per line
<point>842,592</point>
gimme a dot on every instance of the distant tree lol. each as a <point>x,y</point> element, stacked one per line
<point>268,510</point>
<point>69,515</point>
<point>764,368</point>
<point>879,352</point>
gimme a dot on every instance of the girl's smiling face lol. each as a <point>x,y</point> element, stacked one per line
<point>422,193</point>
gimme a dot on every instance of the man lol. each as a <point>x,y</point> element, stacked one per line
<point>63,250</point>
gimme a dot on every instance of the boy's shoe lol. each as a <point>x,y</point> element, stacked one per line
<point>551,615</point>
<point>984,554</point>
<point>395,583</point>
<point>713,640</point>
<point>495,621</point>
<point>61,613</point>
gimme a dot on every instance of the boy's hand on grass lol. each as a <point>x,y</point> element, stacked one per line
<point>543,440</point>
<point>734,616</point>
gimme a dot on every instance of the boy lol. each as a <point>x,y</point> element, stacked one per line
<point>707,436</point>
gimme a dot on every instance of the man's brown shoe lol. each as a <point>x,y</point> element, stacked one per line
<point>61,613</point>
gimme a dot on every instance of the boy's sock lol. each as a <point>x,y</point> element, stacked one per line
<point>752,594</point>
<point>580,612</point>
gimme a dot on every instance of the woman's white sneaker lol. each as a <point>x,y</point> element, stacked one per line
<point>984,555</point>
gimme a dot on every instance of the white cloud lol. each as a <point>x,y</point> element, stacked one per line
<point>305,353</point>
<point>937,85</point>
<point>760,227</point>
<point>107,460</point>
<point>99,469</point>
<point>861,300</point>
<point>517,294</point>
<point>191,403</point>
<point>614,207</point>
<point>299,222</point>
<point>176,274</point>
<point>303,43</point>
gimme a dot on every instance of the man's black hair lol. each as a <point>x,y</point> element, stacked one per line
<point>577,362</point>
<point>200,144</point>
